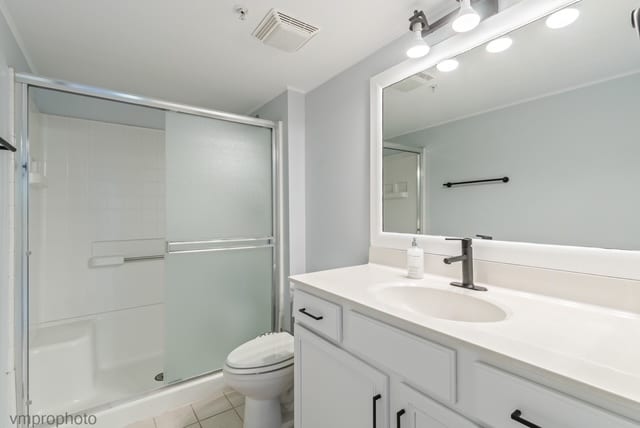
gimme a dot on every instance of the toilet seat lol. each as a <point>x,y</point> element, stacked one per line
<point>267,353</point>
<point>259,370</point>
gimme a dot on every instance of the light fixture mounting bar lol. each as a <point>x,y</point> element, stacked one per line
<point>486,8</point>
<point>418,17</point>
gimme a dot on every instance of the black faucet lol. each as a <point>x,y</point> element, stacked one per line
<point>467,265</point>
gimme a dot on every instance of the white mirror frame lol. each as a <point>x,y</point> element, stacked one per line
<point>605,262</point>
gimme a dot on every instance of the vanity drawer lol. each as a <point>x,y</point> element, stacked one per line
<point>425,365</point>
<point>318,315</point>
<point>499,394</point>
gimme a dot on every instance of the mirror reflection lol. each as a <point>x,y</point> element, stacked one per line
<point>544,153</point>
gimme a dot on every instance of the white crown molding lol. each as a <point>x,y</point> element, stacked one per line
<point>4,10</point>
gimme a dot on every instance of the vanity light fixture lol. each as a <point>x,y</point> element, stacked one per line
<point>417,24</point>
<point>467,18</point>
<point>418,47</point>
<point>562,18</point>
<point>448,65</point>
<point>499,45</point>
<point>463,20</point>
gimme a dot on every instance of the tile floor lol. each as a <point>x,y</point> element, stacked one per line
<point>223,411</point>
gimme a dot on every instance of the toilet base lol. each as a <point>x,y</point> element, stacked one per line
<point>262,413</point>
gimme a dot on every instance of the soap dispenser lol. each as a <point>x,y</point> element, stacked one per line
<point>415,261</point>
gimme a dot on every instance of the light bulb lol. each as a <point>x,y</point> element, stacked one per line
<point>418,47</point>
<point>448,65</point>
<point>467,18</point>
<point>562,18</point>
<point>499,45</point>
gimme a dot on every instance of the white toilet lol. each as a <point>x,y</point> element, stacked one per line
<point>261,370</point>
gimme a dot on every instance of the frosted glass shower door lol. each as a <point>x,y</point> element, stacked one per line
<point>220,254</point>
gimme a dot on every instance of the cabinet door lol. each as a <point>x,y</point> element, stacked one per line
<point>335,389</point>
<point>411,409</point>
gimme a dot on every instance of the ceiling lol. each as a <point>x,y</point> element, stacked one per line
<point>199,52</point>
<point>600,45</point>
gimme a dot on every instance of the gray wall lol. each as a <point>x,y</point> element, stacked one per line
<point>10,55</point>
<point>289,107</point>
<point>573,163</point>
<point>337,163</point>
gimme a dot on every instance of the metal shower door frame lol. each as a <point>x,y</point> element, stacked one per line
<point>24,81</point>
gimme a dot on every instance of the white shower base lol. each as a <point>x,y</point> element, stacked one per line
<point>65,375</point>
<point>122,382</point>
<point>66,378</point>
<point>171,397</point>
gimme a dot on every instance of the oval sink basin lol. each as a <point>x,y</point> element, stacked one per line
<point>440,304</point>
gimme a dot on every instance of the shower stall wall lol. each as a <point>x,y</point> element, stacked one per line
<point>150,235</point>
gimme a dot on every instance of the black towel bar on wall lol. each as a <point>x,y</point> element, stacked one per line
<point>5,145</point>
<point>489,180</point>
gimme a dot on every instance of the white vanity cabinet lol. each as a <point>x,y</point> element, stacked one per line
<point>338,387</point>
<point>356,371</point>
<point>335,389</point>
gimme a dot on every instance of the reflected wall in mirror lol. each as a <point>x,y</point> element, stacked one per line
<point>556,112</point>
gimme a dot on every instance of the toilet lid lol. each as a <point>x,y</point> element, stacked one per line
<point>266,350</point>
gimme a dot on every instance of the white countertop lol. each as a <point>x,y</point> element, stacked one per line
<point>592,345</point>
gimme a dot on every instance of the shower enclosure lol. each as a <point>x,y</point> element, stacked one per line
<point>150,241</point>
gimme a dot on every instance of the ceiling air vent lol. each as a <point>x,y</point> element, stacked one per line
<point>413,82</point>
<point>284,32</point>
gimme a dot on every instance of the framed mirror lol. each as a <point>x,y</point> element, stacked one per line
<point>524,134</point>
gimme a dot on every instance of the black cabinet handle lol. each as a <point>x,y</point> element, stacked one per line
<point>399,417</point>
<point>304,311</point>
<point>375,410</point>
<point>517,416</point>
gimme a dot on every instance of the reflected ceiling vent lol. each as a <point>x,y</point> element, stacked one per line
<point>414,82</point>
<point>284,32</point>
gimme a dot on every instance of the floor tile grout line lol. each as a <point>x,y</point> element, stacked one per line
<point>238,414</point>
<point>235,409</point>
<point>215,414</point>
<point>196,415</point>
<point>198,420</point>
<point>220,414</point>
<point>230,403</point>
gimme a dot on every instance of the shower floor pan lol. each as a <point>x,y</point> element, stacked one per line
<point>64,376</point>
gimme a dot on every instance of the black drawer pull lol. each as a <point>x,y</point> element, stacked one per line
<point>399,417</point>
<point>304,311</point>
<point>375,410</point>
<point>517,416</point>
